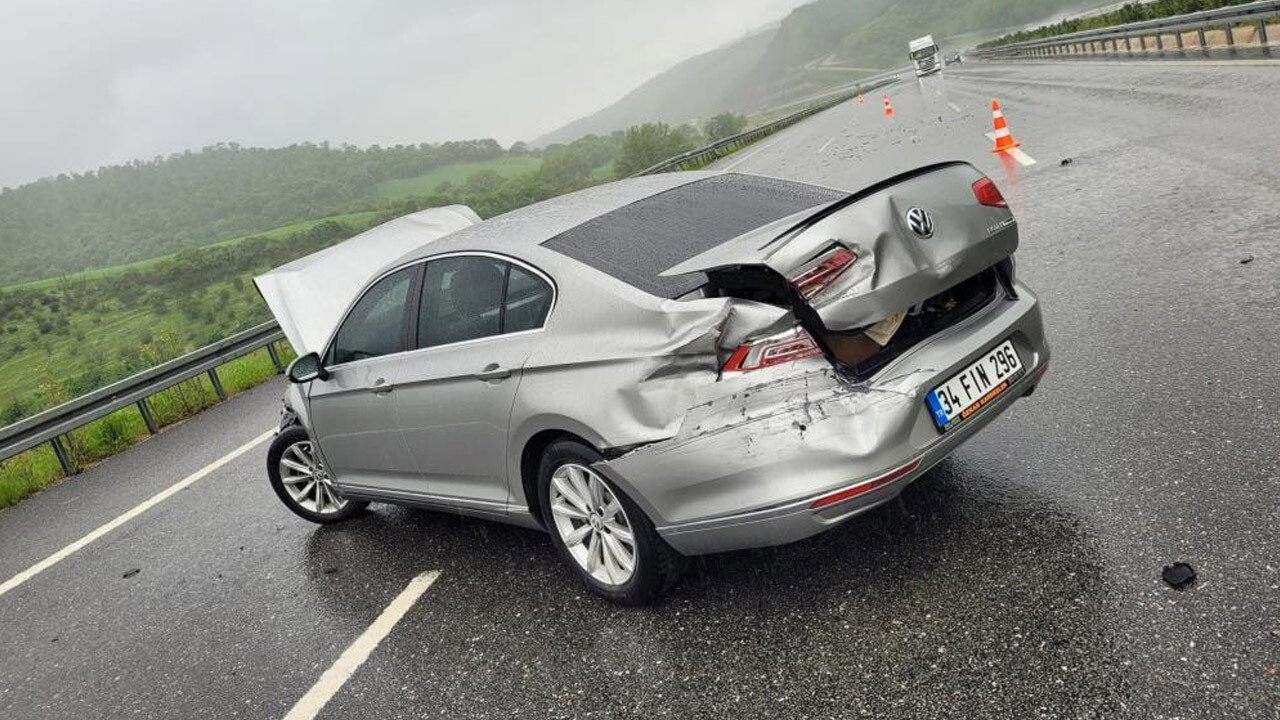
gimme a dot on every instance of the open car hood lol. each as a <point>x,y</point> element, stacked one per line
<point>309,295</point>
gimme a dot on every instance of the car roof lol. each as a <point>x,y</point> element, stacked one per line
<point>636,228</point>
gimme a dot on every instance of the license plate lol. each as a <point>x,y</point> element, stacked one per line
<point>974,387</point>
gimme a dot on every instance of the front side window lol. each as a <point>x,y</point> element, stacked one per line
<point>375,325</point>
<point>461,300</point>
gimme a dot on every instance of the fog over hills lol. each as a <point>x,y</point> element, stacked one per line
<point>821,44</point>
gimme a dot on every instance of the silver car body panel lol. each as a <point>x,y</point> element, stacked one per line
<point>717,461</point>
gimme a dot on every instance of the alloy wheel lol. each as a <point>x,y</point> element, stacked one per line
<point>307,481</point>
<point>593,524</point>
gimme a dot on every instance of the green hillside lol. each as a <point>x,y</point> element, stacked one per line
<point>146,209</point>
<point>456,174</point>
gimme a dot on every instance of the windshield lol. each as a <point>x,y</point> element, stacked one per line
<point>923,53</point>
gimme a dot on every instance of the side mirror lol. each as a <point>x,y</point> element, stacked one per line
<point>307,368</point>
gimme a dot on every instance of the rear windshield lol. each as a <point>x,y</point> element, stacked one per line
<point>636,242</point>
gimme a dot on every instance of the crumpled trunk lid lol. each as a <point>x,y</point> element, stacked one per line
<point>897,267</point>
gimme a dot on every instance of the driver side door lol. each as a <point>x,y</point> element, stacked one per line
<point>353,411</point>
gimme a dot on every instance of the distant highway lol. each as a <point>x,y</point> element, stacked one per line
<point>1020,578</point>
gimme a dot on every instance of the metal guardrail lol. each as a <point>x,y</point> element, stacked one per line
<point>1092,42</point>
<point>709,153</point>
<point>53,423</point>
<point>49,426</point>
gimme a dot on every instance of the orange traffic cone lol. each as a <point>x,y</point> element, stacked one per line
<point>1004,139</point>
<point>859,98</point>
<point>888,107</point>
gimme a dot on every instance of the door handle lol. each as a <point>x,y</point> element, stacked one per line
<point>492,371</point>
<point>381,387</point>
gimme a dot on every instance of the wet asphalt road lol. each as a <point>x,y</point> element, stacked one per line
<point>1020,578</point>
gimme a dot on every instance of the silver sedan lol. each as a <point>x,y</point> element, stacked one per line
<point>655,368</point>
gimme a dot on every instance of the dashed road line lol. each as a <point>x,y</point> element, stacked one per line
<point>955,107</point>
<point>310,705</point>
<point>1015,153</point>
<point>826,144</point>
<point>137,510</point>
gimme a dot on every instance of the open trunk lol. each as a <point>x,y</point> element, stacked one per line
<point>872,274</point>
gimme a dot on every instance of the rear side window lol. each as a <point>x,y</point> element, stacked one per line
<point>528,301</point>
<point>375,326</point>
<point>461,300</point>
<point>474,296</point>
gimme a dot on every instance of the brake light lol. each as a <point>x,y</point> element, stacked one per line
<point>988,194</point>
<point>809,280</point>
<point>865,486</point>
<point>790,346</point>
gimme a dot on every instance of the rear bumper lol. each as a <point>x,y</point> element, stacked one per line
<point>752,466</point>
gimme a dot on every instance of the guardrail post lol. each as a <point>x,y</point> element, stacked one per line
<point>145,411</point>
<point>217,384</point>
<point>1204,44</point>
<point>1142,42</point>
<point>1231,38</point>
<point>1128,48</point>
<point>1262,32</point>
<point>1160,44</point>
<point>1178,36</point>
<point>63,459</point>
<point>275,356</point>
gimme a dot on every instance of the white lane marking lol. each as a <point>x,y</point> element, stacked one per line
<point>954,106</point>
<point>827,144</point>
<point>137,510</point>
<point>764,145</point>
<point>1015,153</point>
<point>1021,157</point>
<point>359,650</point>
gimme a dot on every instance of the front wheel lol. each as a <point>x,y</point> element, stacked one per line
<point>600,532</point>
<point>302,482</point>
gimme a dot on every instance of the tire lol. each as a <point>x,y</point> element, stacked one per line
<point>290,485</point>
<point>598,532</point>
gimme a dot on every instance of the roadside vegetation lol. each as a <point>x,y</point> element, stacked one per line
<point>1133,12</point>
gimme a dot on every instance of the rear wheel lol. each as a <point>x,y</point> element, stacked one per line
<point>302,482</point>
<point>599,532</point>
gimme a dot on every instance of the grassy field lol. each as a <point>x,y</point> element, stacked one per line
<point>456,174</point>
<point>353,219</point>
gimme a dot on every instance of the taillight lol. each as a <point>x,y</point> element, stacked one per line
<point>988,194</point>
<point>792,345</point>
<point>819,273</point>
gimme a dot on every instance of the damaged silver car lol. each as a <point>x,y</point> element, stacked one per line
<point>660,367</point>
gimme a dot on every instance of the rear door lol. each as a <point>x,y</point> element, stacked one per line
<point>353,412</point>
<point>472,333</point>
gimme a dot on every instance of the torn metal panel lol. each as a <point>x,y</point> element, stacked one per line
<point>896,266</point>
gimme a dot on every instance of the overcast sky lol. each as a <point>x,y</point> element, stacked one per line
<point>85,83</point>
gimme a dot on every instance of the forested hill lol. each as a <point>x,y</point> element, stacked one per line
<point>145,209</point>
<point>818,45</point>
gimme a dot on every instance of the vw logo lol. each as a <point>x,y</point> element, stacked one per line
<point>920,222</point>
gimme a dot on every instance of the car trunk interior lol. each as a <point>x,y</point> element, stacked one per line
<point>854,352</point>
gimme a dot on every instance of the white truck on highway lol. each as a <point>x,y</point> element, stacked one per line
<point>924,55</point>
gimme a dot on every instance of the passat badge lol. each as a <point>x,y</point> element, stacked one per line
<point>920,222</point>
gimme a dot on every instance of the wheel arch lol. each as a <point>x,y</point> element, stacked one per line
<point>530,444</point>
